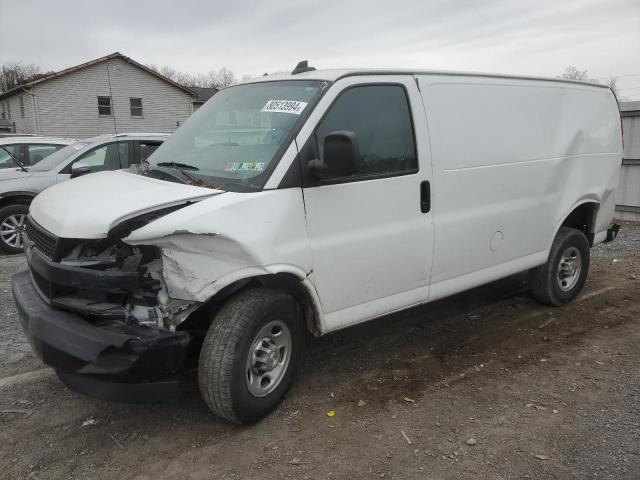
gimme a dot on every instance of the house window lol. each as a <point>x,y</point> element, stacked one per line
<point>21,106</point>
<point>104,106</point>
<point>135,105</point>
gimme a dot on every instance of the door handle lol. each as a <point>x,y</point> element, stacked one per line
<point>425,196</point>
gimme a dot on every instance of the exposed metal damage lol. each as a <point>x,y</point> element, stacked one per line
<point>195,266</point>
<point>110,279</point>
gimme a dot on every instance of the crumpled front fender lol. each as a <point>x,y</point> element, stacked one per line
<point>227,238</point>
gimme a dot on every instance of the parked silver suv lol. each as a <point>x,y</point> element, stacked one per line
<point>20,185</point>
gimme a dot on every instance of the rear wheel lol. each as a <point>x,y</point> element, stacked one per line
<point>12,226</point>
<point>250,354</point>
<point>561,279</point>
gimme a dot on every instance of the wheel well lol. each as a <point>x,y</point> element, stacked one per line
<point>284,282</point>
<point>15,199</point>
<point>582,218</point>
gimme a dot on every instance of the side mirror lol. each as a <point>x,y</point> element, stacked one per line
<point>341,156</point>
<point>79,168</point>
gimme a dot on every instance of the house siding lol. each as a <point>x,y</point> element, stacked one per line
<point>68,105</point>
<point>628,191</point>
<point>11,108</point>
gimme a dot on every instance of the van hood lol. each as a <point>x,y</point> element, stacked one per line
<point>91,205</point>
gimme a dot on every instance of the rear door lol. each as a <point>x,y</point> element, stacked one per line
<point>371,234</point>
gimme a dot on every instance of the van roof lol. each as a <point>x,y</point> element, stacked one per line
<point>331,75</point>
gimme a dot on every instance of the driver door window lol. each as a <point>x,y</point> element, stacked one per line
<point>379,115</point>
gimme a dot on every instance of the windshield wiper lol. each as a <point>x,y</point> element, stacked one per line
<point>15,159</point>
<point>240,187</point>
<point>178,165</point>
<point>182,167</point>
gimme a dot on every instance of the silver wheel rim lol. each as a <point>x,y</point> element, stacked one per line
<point>569,269</point>
<point>268,358</point>
<point>12,229</point>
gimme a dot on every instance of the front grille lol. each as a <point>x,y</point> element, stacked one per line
<point>42,240</point>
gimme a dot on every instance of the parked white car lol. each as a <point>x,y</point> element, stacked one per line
<point>18,186</point>
<point>309,203</point>
<point>16,151</point>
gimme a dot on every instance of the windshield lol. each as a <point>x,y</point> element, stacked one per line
<point>56,158</point>
<point>238,135</point>
<point>7,152</point>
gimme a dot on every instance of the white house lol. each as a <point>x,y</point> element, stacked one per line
<point>628,191</point>
<point>108,95</point>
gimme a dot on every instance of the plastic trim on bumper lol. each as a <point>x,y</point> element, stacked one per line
<point>127,357</point>
<point>119,392</point>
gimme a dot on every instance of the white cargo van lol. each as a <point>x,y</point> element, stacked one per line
<point>308,203</point>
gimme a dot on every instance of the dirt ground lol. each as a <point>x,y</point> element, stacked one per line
<point>488,384</point>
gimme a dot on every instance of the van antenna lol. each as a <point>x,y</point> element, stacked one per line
<point>302,66</point>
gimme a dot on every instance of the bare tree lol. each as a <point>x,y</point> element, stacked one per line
<point>218,79</point>
<point>612,84</point>
<point>15,73</point>
<point>224,78</point>
<point>572,73</point>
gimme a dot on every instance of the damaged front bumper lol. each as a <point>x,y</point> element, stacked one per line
<point>107,359</point>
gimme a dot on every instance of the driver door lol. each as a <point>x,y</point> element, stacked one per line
<point>371,234</point>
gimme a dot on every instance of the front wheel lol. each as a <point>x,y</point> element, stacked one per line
<point>562,278</point>
<point>12,226</point>
<point>250,354</point>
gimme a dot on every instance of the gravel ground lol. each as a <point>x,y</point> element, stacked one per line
<point>15,352</point>
<point>488,384</point>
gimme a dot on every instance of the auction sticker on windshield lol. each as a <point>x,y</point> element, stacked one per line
<point>284,106</point>
<point>244,167</point>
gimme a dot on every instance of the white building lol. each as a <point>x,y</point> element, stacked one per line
<point>108,95</point>
<point>628,192</point>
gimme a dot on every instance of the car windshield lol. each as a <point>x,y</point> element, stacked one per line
<point>238,135</point>
<point>56,158</point>
<point>7,152</point>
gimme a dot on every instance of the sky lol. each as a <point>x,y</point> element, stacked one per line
<point>532,37</point>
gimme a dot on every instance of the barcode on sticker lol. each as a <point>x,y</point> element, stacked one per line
<point>284,106</point>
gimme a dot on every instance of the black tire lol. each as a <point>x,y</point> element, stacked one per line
<point>5,214</point>
<point>545,286</point>
<point>222,367</point>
